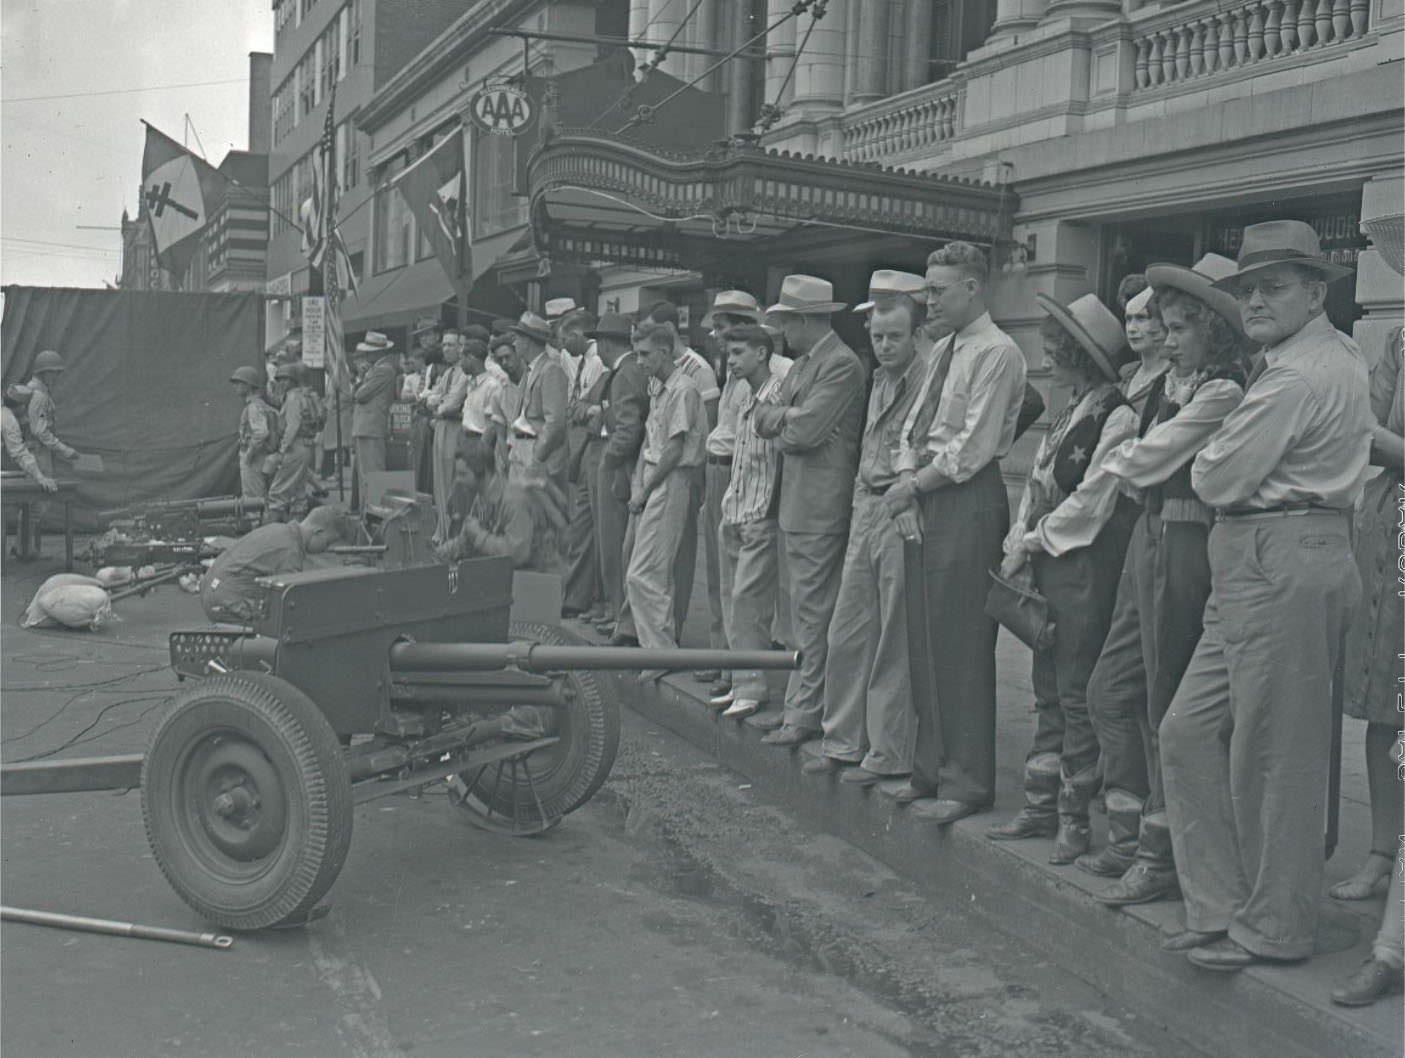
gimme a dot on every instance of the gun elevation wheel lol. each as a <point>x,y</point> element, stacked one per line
<point>247,801</point>
<point>529,794</point>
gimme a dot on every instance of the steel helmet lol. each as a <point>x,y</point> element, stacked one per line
<point>247,375</point>
<point>289,369</point>
<point>48,360</point>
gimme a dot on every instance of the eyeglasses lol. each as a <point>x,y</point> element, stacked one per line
<point>1270,289</point>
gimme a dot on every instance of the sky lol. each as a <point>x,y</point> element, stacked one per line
<point>73,161</point>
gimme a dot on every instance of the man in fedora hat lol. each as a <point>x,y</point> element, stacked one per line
<point>370,421</point>
<point>537,435</point>
<point>619,405</point>
<point>869,723</point>
<point>953,441</point>
<point>817,421</point>
<point>1246,740</point>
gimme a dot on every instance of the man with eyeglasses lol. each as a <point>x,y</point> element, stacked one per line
<point>1245,743</point>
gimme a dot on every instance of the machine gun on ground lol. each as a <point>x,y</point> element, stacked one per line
<point>352,685</point>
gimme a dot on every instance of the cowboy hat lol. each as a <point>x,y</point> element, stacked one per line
<point>614,325</point>
<point>1277,242</point>
<point>734,303</point>
<point>558,307</point>
<point>1198,281</point>
<point>374,342</point>
<point>885,282</point>
<point>530,325</point>
<point>1093,326</point>
<point>807,295</point>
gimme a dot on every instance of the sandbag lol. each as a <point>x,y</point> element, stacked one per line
<point>35,615</point>
<point>69,600</point>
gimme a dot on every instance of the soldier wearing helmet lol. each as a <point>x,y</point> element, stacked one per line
<point>302,419</point>
<point>41,415</point>
<point>258,429</point>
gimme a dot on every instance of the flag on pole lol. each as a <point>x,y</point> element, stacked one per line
<point>326,253</point>
<point>179,190</point>
<point>436,188</point>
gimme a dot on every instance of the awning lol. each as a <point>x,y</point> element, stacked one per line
<point>396,298</point>
<point>599,199</point>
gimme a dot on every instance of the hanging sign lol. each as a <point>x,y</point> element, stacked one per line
<point>502,110</point>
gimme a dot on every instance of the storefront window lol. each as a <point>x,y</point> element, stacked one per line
<point>394,224</point>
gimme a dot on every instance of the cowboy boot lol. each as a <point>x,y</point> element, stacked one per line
<point>1074,834</point>
<point>1039,816</point>
<point>1124,814</point>
<point>1152,875</point>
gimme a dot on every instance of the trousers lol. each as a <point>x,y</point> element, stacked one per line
<point>868,711</point>
<point>1081,587</point>
<point>1156,624</point>
<point>748,556</point>
<point>715,481</point>
<point>253,482</point>
<point>660,531</point>
<point>612,522</point>
<point>1245,742</point>
<point>815,562</point>
<point>581,587</point>
<point>963,526</point>
<point>287,492</point>
<point>445,446</point>
<point>370,457</point>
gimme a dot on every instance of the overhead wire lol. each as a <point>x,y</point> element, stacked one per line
<point>659,55</point>
<point>120,91</point>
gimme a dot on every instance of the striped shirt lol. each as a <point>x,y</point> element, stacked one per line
<point>755,462</point>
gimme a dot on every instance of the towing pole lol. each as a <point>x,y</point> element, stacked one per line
<point>118,929</point>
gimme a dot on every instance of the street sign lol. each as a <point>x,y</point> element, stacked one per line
<point>314,330</point>
<point>502,110</point>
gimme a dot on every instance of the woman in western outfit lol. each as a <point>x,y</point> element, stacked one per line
<point>1166,578</point>
<point>1072,532</point>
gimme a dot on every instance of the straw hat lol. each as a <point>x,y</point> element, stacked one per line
<point>1199,281</point>
<point>1281,242</point>
<point>374,342</point>
<point>734,303</point>
<point>808,295</point>
<point>885,282</point>
<point>533,326</point>
<point>1093,326</point>
<point>558,307</point>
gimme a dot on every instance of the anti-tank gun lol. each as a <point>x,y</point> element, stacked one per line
<point>354,684</point>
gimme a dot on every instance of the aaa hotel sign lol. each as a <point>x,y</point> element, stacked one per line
<point>502,110</point>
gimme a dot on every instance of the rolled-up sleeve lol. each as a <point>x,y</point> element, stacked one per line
<point>1252,440</point>
<point>1152,459</point>
<point>1077,521</point>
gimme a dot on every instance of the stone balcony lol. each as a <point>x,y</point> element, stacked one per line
<point>904,127</point>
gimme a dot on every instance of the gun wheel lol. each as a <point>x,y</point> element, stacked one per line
<point>247,801</point>
<point>529,794</point>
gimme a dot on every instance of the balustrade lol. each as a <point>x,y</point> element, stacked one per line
<point>1259,31</point>
<point>904,125</point>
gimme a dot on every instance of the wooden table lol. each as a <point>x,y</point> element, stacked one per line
<point>18,489</point>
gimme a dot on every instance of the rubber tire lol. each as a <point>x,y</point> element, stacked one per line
<point>569,773</point>
<point>292,735</point>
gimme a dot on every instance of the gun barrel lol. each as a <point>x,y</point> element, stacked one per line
<point>534,657</point>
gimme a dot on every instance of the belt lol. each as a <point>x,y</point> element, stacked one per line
<point>1282,510</point>
<point>718,461</point>
<point>472,433</point>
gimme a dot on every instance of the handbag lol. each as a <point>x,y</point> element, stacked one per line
<point>1021,609</point>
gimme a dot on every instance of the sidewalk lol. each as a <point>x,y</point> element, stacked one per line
<point>1280,1011</point>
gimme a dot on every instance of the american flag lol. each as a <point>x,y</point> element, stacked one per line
<point>325,250</point>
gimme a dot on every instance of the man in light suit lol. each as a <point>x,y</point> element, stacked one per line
<point>818,421</point>
<point>537,436</point>
<point>370,420</point>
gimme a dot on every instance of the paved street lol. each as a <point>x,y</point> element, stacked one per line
<point>675,914</point>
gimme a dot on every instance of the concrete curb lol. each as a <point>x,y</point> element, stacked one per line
<point>1279,1011</point>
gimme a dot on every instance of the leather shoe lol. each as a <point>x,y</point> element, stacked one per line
<point>824,765</point>
<point>1026,824</point>
<point>741,708</point>
<point>945,812</point>
<point>720,687</point>
<point>706,675</point>
<point>790,735</point>
<point>1142,884</point>
<point>861,776</point>
<point>767,721</point>
<point>907,793</point>
<point>620,640</point>
<point>720,701</point>
<point>1187,939</point>
<point>1223,956</point>
<point>1371,982</point>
